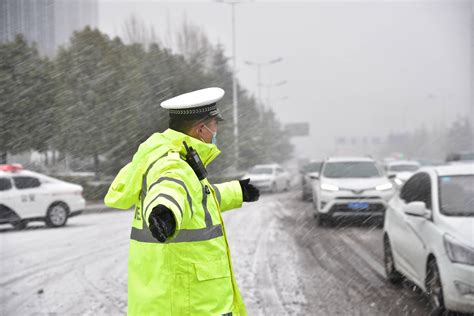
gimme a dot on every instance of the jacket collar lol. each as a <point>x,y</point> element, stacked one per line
<point>207,152</point>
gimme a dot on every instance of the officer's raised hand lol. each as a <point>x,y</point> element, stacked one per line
<point>162,223</point>
<point>249,192</point>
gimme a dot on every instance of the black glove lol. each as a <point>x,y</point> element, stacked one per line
<point>249,192</point>
<point>162,223</point>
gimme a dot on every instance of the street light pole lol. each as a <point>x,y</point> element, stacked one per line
<point>234,89</point>
<point>235,101</point>
<point>259,67</point>
<point>272,85</point>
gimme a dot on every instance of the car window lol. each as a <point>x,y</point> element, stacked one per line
<point>467,156</point>
<point>260,170</point>
<point>417,188</point>
<point>456,195</point>
<point>401,168</point>
<point>351,169</point>
<point>26,182</point>
<point>5,184</point>
<point>312,167</point>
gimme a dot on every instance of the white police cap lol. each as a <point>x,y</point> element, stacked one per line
<point>195,105</point>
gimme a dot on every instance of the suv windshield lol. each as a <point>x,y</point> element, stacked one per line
<point>456,195</point>
<point>466,156</point>
<point>312,167</point>
<point>351,169</point>
<point>259,170</point>
<point>401,168</point>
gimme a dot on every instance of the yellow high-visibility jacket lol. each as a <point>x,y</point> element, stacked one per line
<point>191,273</point>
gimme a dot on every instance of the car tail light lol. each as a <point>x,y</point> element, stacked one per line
<point>77,192</point>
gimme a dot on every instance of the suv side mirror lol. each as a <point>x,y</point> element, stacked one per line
<point>417,208</point>
<point>314,176</point>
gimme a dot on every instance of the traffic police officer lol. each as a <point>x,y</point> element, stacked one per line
<point>179,259</point>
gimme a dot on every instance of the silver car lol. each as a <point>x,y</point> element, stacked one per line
<point>308,172</point>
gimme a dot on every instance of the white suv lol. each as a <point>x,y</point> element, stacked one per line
<point>429,236</point>
<point>28,196</point>
<point>350,186</point>
<point>401,170</point>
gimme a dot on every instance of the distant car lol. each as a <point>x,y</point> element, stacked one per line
<point>429,162</point>
<point>460,157</point>
<point>29,196</point>
<point>271,177</point>
<point>401,170</point>
<point>350,187</point>
<point>308,171</point>
<point>429,236</point>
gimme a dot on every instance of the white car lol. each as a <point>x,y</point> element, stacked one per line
<point>401,170</point>
<point>29,196</point>
<point>350,187</point>
<point>308,172</point>
<point>429,236</point>
<point>270,177</point>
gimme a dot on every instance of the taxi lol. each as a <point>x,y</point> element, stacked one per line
<point>30,196</point>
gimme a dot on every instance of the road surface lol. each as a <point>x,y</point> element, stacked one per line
<point>284,264</point>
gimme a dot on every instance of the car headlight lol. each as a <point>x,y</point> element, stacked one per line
<point>329,187</point>
<point>458,253</point>
<point>384,187</point>
<point>463,288</point>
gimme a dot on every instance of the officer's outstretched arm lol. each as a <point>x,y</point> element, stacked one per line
<point>231,194</point>
<point>168,191</point>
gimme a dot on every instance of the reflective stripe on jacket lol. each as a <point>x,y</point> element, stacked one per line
<point>191,273</point>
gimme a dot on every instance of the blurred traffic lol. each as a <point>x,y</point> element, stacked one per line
<point>427,214</point>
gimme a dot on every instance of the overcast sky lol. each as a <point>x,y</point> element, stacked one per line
<point>354,68</point>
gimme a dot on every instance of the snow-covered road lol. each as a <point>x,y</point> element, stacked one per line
<point>284,264</point>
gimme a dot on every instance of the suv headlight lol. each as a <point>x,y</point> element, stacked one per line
<point>458,253</point>
<point>329,187</point>
<point>384,187</point>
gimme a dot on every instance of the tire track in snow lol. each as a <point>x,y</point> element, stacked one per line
<point>264,281</point>
<point>345,251</point>
<point>51,277</point>
<point>48,266</point>
<point>102,299</point>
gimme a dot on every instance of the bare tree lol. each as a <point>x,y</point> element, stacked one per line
<point>136,32</point>
<point>194,44</point>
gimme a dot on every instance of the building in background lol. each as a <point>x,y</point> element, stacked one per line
<point>48,23</point>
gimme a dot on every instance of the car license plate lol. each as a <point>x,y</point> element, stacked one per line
<point>358,205</point>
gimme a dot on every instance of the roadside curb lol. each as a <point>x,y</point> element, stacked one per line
<point>100,208</point>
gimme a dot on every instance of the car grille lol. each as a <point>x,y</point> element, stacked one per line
<point>376,207</point>
<point>358,197</point>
